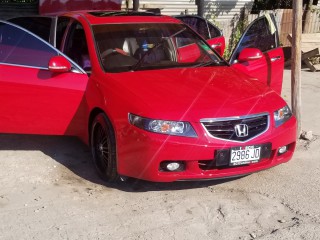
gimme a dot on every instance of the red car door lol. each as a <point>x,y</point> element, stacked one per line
<point>261,34</point>
<point>35,100</point>
<point>207,30</point>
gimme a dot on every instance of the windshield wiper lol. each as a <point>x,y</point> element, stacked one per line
<point>160,43</point>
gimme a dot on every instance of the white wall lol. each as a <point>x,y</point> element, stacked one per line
<point>169,7</point>
<point>222,10</point>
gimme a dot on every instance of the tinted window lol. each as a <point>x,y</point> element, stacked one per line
<point>258,36</point>
<point>61,28</point>
<point>76,46</point>
<point>214,31</point>
<point>21,48</point>
<point>197,24</point>
<point>38,25</point>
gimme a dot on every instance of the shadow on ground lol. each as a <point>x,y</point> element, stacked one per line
<point>76,156</point>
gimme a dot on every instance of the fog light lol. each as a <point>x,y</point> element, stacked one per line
<point>173,166</point>
<point>170,166</point>
<point>282,150</point>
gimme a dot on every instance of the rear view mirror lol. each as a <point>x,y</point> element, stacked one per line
<point>59,64</point>
<point>249,54</point>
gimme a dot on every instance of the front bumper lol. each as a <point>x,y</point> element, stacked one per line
<point>140,154</point>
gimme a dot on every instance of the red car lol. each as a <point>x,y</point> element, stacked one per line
<point>150,96</point>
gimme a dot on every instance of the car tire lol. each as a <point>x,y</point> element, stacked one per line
<point>103,148</point>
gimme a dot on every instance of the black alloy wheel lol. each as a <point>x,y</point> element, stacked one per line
<point>103,148</point>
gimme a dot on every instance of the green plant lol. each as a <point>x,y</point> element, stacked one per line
<point>237,32</point>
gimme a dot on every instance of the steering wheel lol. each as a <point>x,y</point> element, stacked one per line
<point>115,51</point>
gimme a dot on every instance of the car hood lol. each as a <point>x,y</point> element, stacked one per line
<point>194,93</point>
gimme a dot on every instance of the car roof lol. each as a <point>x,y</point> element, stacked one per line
<point>102,17</point>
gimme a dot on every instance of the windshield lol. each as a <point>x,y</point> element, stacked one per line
<point>145,46</point>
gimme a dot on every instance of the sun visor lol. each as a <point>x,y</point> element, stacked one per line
<point>49,7</point>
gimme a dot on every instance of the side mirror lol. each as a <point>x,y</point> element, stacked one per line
<point>217,47</point>
<point>250,54</point>
<point>59,64</point>
<point>217,44</point>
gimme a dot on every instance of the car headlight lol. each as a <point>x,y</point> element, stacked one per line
<point>282,115</point>
<point>177,128</point>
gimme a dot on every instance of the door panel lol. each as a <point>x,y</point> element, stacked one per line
<point>262,34</point>
<point>268,69</point>
<point>189,53</point>
<point>33,99</point>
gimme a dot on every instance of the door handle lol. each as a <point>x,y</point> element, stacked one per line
<point>275,58</point>
<point>216,45</point>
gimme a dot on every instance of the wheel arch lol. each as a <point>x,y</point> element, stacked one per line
<point>95,112</point>
<point>98,118</point>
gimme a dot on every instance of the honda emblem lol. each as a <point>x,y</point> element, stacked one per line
<point>241,130</point>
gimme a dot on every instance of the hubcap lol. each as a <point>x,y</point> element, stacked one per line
<point>101,148</point>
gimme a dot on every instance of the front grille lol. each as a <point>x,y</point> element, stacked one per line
<point>224,128</point>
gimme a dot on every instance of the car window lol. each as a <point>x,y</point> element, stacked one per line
<point>76,46</point>
<point>61,28</point>
<point>202,26</point>
<point>258,35</point>
<point>197,24</point>
<point>183,40</point>
<point>214,31</point>
<point>19,47</point>
<point>40,26</point>
<point>146,46</point>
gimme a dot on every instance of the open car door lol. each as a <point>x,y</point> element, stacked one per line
<point>41,91</point>
<point>259,53</point>
<point>207,30</point>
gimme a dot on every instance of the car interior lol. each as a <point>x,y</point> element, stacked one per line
<point>77,49</point>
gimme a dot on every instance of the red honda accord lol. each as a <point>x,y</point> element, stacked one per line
<point>149,95</point>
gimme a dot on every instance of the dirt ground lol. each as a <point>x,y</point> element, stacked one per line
<point>49,190</point>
